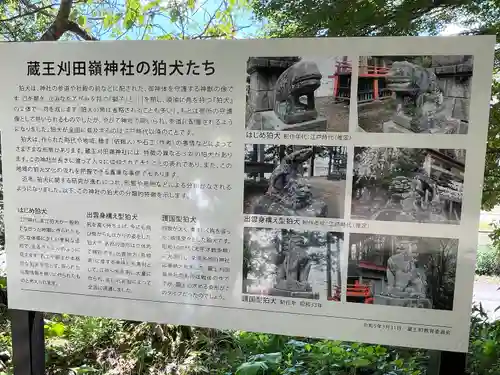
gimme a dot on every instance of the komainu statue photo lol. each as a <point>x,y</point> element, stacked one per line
<point>419,94</point>
<point>295,180</point>
<point>288,193</point>
<point>299,81</point>
<point>292,264</point>
<point>416,272</point>
<point>293,93</point>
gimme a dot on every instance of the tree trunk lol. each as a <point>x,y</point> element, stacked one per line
<point>62,24</point>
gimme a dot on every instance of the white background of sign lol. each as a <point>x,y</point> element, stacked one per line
<point>343,321</point>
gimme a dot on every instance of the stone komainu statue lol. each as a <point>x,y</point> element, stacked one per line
<point>288,193</point>
<point>285,182</point>
<point>295,265</point>
<point>410,79</point>
<point>300,80</point>
<point>419,96</point>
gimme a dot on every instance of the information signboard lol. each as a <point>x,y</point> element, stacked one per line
<point>331,190</point>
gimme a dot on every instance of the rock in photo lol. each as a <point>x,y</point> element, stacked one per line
<point>402,271</point>
<point>288,263</point>
<point>414,94</point>
<point>298,94</point>
<point>306,181</point>
<point>408,184</point>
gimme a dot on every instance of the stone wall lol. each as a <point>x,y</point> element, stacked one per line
<point>262,74</point>
<point>454,75</point>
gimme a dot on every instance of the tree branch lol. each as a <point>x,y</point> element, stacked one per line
<point>60,24</point>
<point>31,12</point>
<point>76,29</point>
<point>27,4</point>
<point>209,23</point>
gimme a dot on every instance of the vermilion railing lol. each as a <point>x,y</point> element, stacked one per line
<point>346,67</point>
<point>372,69</point>
<point>358,291</point>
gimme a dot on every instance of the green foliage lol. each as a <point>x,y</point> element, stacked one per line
<point>328,357</point>
<point>491,185</point>
<point>488,261</point>
<point>27,20</point>
<point>484,352</point>
<point>309,18</point>
<point>88,345</point>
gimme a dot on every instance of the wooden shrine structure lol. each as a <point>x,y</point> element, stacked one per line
<point>371,80</point>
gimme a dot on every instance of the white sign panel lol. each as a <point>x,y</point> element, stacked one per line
<point>231,184</point>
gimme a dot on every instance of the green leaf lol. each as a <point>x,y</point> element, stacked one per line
<point>107,21</point>
<point>489,347</point>
<point>252,368</point>
<point>191,4</point>
<point>398,362</point>
<point>152,4</point>
<point>82,20</point>
<point>140,19</point>
<point>165,37</point>
<point>129,23</point>
<point>361,362</point>
<point>269,357</point>
<point>74,14</point>
<point>174,15</point>
<point>83,370</point>
<point>3,282</point>
<point>56,329</point>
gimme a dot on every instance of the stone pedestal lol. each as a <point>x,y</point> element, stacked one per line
<point>454,74</point>
<point>295,294</point>
<point>392,127</point>
<point>269,121</point>
<point>265,205</point>
<point>401,124</point>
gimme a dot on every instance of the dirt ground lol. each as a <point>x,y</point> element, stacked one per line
<point>371,116</point>
<point>337,114</point>
<point>332,192</point>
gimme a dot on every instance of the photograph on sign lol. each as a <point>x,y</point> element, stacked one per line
<point>408,184</point>
<point>291,263</point>
<point>295,180</point>
<point>425,94</point>
<point>403,271</point>
<point>298,93</point>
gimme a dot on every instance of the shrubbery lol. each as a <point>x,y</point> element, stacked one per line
<point>87,345</point>
<point>99,346</point>
<point>484,358</point>
<point>488,261</point>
